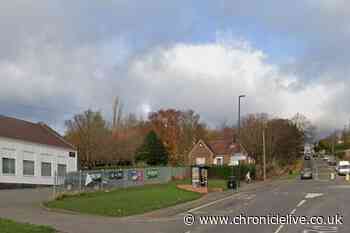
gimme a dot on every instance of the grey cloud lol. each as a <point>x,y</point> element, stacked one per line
<point>66,56</point>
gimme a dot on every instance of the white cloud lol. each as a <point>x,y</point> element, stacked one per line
<point>65,57</point>
<point>208,78</point>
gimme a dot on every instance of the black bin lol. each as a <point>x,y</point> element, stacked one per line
<point>232,182</point>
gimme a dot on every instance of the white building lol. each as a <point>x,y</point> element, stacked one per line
<point>33,153</point>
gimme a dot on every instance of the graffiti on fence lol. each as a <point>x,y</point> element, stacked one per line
<point>116,175</point>
<point>152,173</point>
<point>93,178</point>
<point>135,175</point>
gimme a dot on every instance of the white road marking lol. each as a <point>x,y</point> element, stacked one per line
<point>210,203</point>
<point>313,195</point>
<point>247,197</point>
<point>321,229</point>
<point>279,228</point>
<point>328,228</point>
<point>301,203</point>
<point>293,211</point>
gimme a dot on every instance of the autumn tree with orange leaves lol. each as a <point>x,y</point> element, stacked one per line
<point>179,130</point>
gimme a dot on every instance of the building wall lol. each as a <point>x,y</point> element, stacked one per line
<point>199,152</point>
<point>20,150</point>
<point>227,159</point>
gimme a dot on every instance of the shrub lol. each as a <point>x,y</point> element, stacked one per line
<point>223,172</point>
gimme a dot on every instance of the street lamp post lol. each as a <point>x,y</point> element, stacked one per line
<point>239,114</point>
<point>238,134</point>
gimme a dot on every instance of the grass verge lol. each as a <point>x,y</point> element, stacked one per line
<point>125,202</point>
<point>9,226</point>
<point>215,183</point>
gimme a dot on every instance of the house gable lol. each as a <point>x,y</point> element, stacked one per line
<point>214,150</point>
<point>201,150</point>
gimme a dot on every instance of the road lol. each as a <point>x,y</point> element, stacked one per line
<point>318,197</point>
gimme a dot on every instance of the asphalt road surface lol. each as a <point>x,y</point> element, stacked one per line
<point>317,197</point>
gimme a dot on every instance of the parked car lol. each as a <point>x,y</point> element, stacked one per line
<point>306,173</point>
<point>307,157</point>
<point>326,158</point>
<point>343,168</point>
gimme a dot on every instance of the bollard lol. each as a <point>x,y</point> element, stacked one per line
<point>332,176</point>
<point>347,177</point>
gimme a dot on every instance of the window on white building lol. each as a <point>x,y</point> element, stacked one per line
<point>46,169</point>
<point>8,166</point>
<point>61,170</point>
<point>28,168</point>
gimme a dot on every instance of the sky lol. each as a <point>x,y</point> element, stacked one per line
<point>59,58</point>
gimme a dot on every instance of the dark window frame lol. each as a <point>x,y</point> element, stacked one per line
<point>33,163</point>
<point>42,169</point>
<point>11,171</point>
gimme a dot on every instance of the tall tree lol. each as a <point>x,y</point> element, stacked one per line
<point>90,133</point>
<point>305,126</point>
<point>166,124</point>
<point>191,130</point>
<point>152,151</point>
<point>129,137</point>
<point>179,130</point>
<point>283,140</point>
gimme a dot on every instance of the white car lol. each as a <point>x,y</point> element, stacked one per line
<point>343,168</point>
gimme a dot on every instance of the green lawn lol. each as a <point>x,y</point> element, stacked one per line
<point>9,226</point>
<point>125,202</point>
<point>214,183</point>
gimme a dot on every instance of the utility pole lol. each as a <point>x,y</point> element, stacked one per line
<point>264,154</point>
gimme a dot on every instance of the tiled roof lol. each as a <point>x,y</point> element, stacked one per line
<point>32,132</point>
<point>223,146</point>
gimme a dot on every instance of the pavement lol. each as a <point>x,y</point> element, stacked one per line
<point>317,197</point>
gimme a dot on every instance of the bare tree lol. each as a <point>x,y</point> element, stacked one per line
<point>89,132</point>
<point>283,140</point>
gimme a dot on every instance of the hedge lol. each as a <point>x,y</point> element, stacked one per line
<point>223,172</point>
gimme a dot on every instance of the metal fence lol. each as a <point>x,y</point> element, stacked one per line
<point>94,180</point>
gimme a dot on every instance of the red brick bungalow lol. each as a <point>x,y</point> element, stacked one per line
<point>215,152</point>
